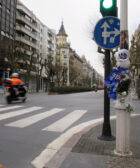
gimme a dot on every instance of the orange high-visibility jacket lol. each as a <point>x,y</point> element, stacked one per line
<point>16,81</point>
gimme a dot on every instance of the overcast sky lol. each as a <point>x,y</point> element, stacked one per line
<point>79,18</point>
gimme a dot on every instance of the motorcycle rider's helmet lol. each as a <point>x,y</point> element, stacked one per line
<point>15,75</point>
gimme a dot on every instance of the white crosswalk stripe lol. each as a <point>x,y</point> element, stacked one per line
<point>34,119</point>
<point>18,112</point>
<point>9,108</point>
<point>62,124</point>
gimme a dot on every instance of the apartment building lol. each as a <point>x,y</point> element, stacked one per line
<point>135,53</point>
<point>7,32</point>
<point>63,55</point>
<point>47,51</point>
<point>27,30</point>
<point>76,68</point>
<point>34,40</point>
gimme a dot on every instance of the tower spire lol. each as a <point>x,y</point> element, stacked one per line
<point>62,31</point>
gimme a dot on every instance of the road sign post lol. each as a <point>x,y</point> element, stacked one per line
<point>106,130</point>
<point>107,36</point>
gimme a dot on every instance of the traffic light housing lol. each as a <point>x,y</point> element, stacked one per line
<point>108,7</point>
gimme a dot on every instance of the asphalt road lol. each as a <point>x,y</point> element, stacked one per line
<point>27,128</point>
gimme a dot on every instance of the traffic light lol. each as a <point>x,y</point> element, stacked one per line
<point>108,7</point>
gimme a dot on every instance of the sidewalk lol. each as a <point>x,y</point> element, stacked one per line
<point>85,150</point>
<point>90,152</point>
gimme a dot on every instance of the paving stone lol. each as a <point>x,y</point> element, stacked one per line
<point>90,144</point>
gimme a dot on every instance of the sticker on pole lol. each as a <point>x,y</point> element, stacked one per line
<point>107,32</point>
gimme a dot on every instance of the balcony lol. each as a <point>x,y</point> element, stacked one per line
<point>26,21</point>
<point>29,43</point>
<point>26,31</point>
<point>26,52</point>
<point>23,8</point>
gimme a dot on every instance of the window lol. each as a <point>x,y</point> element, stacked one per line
<point>8,10</point>
<point>65,63</point>
<point>65,56</point>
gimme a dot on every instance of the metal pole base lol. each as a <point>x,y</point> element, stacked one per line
<point>106,138</point>
<point>118,153</point>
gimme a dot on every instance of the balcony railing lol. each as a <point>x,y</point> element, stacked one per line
<point>22,39</point>
<point>26,31</point>
<point>23,19</point>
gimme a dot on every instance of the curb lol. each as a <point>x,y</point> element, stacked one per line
<point>65,150</point>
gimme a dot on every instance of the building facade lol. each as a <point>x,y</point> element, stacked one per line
<point>135,53</point>
<point>27,30</point>
<point>73,69</point>
<point>7,32</point>
<point>62,56</point>
<point>34,42</point>
<point>76,69</point>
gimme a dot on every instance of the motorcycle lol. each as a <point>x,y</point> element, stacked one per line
<point>15,93</point>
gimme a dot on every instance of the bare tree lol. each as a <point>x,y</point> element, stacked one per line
<point>135,52</point>
<point>19,59</point>
<point>40,63</point>
<point>58,73</point>
<point>49,71</point>
<point>74,75</point>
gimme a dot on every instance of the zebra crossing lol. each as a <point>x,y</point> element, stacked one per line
<point>33,119</point>
<point>9,108</point>
<point>60,125</point>
<point>65,121</point>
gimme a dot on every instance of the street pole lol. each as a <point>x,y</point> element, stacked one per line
<point>123,116</point>
<point>106,130</point>
<point>68,74</point>
<point>124,43</point>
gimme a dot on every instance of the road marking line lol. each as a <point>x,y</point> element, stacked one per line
<point>62,124</point>
<point>18,112</point>
<point>9,108</point>
<point>56,145</point>
<point>52,148</point>
<point>33,119</point>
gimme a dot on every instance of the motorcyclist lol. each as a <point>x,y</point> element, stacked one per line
<point>15,79</point>
<point>16,82</point>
